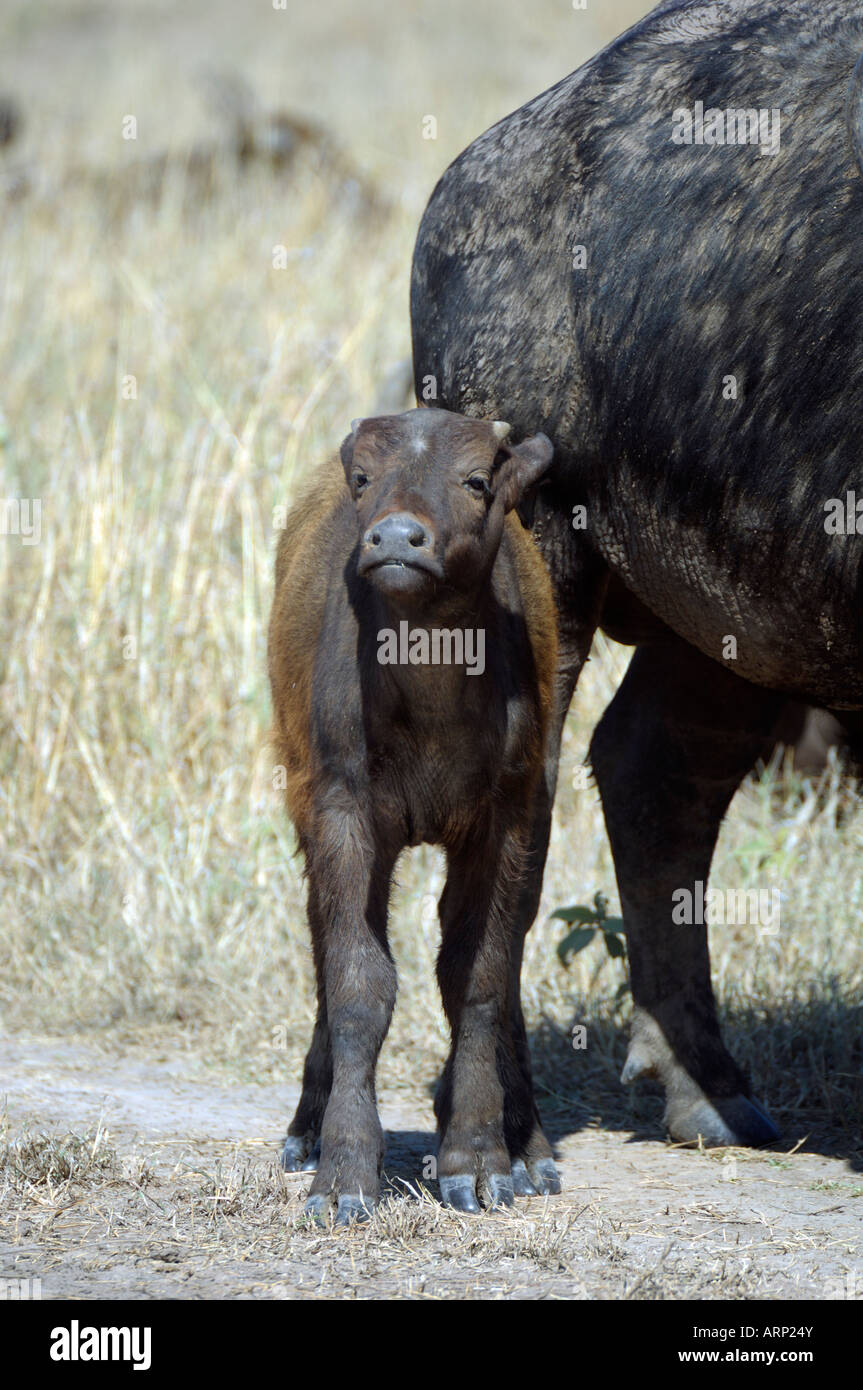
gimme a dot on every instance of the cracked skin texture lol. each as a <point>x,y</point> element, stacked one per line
<point>699,373</point>
<point>703,263</point>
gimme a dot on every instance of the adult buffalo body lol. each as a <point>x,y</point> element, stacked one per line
<point>683,316</point>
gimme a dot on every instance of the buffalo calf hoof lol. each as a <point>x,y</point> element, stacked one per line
<point>312,1163</point>
<point>522,1184</point>
<point>299,1156</point>
<point>460,1194</point>
<point>353,1209</point>
<point>347,1209</point>
<point>545,1177</point>
<point>318,1208</point>
<point>497,1191</point>
<point>535,1178</point>
<point>732,1120</point>
<point>463,1192</point>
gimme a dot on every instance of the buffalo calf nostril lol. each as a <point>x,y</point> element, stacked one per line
<point>397,535</point>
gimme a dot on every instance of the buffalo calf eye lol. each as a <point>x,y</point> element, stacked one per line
<point>360,481</point>
<point>478,484</point>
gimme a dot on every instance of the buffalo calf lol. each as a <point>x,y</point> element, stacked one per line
<point>412,658</point>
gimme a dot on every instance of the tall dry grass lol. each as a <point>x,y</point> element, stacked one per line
<point>149,884</point>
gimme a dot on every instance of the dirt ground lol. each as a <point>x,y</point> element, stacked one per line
<point>183,1199</point>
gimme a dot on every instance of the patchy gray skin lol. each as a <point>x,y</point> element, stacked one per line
<point>705,514</point>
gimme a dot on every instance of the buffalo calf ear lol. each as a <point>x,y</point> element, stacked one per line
<point>346,452</point>
<point>525,465</point>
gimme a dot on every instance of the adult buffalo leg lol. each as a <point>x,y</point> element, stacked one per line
<point>671,749</point>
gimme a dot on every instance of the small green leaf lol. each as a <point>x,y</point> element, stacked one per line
<point>575,914</point>
<point>574,942</point>
<point>614,924</point>
<point>614,945</point>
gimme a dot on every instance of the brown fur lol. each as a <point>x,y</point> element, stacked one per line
<point>416,523</point>
<point>312,530</point>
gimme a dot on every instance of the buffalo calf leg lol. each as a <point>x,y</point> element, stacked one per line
<point>533,1167</point>
<point>302,1149</point>
<point>672,747</point>
<point>484,1105</point>
<point>350,887</point>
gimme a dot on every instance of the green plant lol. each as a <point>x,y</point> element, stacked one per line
<point>590,922</point>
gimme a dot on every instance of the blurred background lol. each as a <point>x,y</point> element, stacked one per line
<point>207,214</point>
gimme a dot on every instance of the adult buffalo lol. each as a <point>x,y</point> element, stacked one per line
<point>659,264</point>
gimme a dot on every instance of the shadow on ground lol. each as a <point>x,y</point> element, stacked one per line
<point>804,1059</point>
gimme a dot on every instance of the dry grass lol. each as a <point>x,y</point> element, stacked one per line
<point>147,874</point>
<point>39,1159</point>
<point>233,1226</point>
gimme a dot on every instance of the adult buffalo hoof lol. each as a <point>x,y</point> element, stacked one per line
<point>692,1114</point>
<point>732,1120</point>
<point>299,1155</point>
